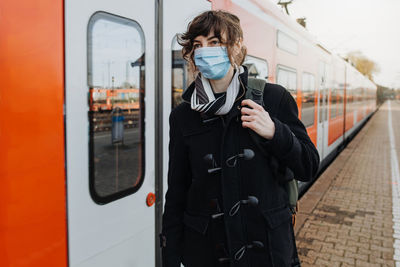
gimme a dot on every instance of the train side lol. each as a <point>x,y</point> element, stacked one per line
<point>323,84</point>
<point>333,98</point>
<point>87,92</point>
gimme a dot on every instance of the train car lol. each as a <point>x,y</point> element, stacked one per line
<point>86,92</point>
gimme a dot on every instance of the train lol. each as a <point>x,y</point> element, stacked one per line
<point>86,91</point>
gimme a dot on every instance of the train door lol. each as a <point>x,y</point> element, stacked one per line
<point>109,58</point>
<point>176,75</point>
<point>322,141</point>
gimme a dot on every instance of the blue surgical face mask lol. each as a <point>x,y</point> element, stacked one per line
<point>213,62</point>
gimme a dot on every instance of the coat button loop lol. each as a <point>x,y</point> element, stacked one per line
<point>251,200</point>
<point>247,154</point>
<point>257,245</point>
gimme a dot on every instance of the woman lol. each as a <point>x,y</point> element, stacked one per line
<point>225,205</point>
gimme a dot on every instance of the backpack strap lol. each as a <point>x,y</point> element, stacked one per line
<point>255,90</point>
<point>270,97</point>
<point>267,96</point>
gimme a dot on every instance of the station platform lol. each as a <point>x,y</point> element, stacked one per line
<point>351,215</point>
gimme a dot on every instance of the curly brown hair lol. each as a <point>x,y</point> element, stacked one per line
<point>220,22</point>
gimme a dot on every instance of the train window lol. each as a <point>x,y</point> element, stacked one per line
<point>181,77</point>
<point>340,99</point>
<point>257,68</point>
<point>334,100</point>
<point>350,98</point>
<point>116,80</point>
<point>286,42</point>
<point>287,77</point>
<point>308,99</point>
<point>323,91</point>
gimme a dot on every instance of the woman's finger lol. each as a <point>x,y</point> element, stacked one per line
<point>251,104</point>
<point>248,111</point>
<point>251,125</point>
<point>247,118</point>
<point>246,124</point>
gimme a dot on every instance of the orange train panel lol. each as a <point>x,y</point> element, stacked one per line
<point>311,130</point>
<point>32,192</point>
<point>349,121</point>
<point>360,113</point>
<point>335,129</point>
<point>299,102</point>
<point>312,133</point>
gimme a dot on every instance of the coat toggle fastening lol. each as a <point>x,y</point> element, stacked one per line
<point>251,201</point>
<point>247,154</point>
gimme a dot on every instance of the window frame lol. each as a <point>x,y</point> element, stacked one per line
<point>185,72</point>
<point>287,69</point>
<point>309,74</point>
<point>260,60</point>
<point>96,197</point>
<point>333,102</point>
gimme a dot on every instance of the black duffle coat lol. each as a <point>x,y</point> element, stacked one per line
<point>225,205</point>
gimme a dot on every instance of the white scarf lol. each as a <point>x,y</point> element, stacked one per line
<point>204,101</point>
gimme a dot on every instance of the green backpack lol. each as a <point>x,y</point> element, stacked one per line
<point>271,98</point>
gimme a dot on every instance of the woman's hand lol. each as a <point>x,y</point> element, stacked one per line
<point>257,119</point>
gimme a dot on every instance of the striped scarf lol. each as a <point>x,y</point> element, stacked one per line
<point>204,101</point>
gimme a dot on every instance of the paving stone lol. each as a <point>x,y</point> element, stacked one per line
<point>346,219</point>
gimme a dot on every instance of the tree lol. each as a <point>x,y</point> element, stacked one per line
<point>363,64</point>
<point>383,93</point>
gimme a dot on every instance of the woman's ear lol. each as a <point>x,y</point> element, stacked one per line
<point>237,51</point>
<point>237,47</point>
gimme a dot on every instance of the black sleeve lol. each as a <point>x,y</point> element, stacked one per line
<point>291,144</point>
<point>175,200</point>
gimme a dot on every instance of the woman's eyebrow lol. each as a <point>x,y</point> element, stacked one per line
<point>212,37</point>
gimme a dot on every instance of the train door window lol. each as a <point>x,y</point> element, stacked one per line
<point>323,91</point>
<point>257,68</point>
<point>333,101</point>
<point>181,77</point>
<point>340,99</point>
<point>116,80</point>
<point>287,77</point>
<point>349,97</point>
<point>356,92</point>
<point>308,99</point>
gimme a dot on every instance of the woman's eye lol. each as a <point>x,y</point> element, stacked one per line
<point>215,42</point>
<point>195,46</point>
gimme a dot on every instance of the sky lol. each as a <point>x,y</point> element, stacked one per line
<point>369,26</point>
